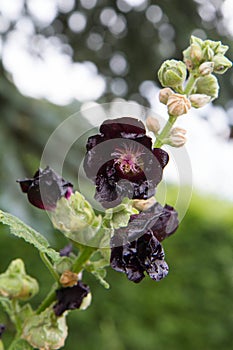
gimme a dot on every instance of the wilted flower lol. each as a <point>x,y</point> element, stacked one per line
<point>122,163</point>
<point>178,104</point>
<point>16,284</point>
<point>136,249</point>
<point>46,188</point>
<point>45,331</point>
<point>70,298</point>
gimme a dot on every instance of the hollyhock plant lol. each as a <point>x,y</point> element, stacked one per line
<point>122,163</point>
<point>125,167</point>
<point>46,188</point>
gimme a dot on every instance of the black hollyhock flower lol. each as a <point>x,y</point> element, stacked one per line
<point>46,188</point>
<point>70,298</point>
<point>122,163</point>
<point>136,249</point>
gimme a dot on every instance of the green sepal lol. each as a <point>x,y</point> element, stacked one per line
<point>119,216</point>
<point>20,344</point>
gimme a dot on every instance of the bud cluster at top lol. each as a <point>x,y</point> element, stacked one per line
<point>201,60</point>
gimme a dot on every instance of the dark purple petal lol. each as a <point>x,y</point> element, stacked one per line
<point>66,250</point>
<point>141,255</point>
<point>125,127</point>
<point>70,298</point>
<point>46,188</point>
<point>162,156</point>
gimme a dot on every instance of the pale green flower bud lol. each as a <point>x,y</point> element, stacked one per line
<point>172,73</point>
<point>206,68</point>
<point>45,331</point>
<point>178,105</point>
<point>152,124</point>
<point>1,345</point>
<point>207,85</point>
<point>195,40</point>
<point>199,100</point>
<point>16,284</point>
<point>164,94</point>
<point>196,53</point>
<point>176,137</point>
<point>208,53</point>
<point>63,264</point>
<point>221,64</point>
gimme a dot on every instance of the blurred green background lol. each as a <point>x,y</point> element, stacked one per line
<point>192,308</point>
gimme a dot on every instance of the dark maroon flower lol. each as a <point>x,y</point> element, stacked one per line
<point>136,249</point>
<point>144,254</point>
<point>122,163</point>
<point>70,298</point>
<point>46,188</point>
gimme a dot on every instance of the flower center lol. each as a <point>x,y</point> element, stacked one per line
<point>128,158</point>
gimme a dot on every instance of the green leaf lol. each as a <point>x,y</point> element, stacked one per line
<point>20,229</point>
<point>20,344</point>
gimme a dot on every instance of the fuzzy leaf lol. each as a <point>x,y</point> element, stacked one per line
<point>20,229</point>
<point>20,344</point>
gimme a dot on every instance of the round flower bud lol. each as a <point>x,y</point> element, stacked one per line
<point>178,105</point>
<point>207,85</point>
<point>45,331</point>
<point>221,64</point>
<point>164,94</point>
<point>16,284</point>
<point>172,73</point>
<point>177,137</point>
<point>153,124</point>
<point>206,68</point>
<point>199,100</point>
<point>144,204</point>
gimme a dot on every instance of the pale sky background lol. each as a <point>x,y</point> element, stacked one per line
<point>60,81</point>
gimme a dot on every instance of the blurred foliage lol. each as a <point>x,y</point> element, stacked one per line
<point>191,309</point>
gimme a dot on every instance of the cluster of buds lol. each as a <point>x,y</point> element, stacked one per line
<point>206,56</point>
<point>202,59</point>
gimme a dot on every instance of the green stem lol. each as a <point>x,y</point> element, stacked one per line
<point>165,132</point>
<point>84,256</point>
<point>49,266</point>
<point>190,84</point>
<point>50,298</point>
